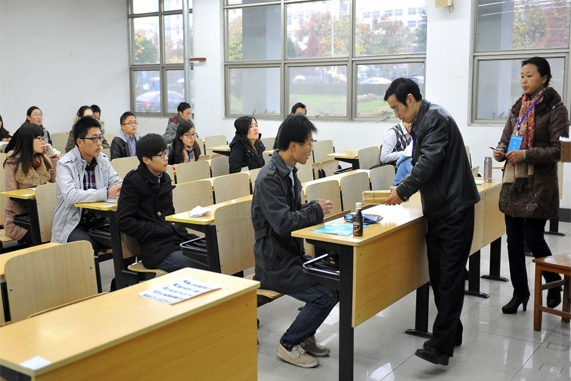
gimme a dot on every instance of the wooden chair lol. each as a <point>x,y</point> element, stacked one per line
<point>219,166</point>
<point>369,157</point>
<point>200,142</point>
<point>4,239</point>
<point>325,189</point>
<point>352,187</point>
<point>229,187</point>
<point>213,141</point>
<point>560,264</point>
<point>171,173</point>
<point>136,272</point>
<point>321,149</point>
<point>109,137</point>
<point>107,152</point>
<point>305,172</point>
<point>382,177</point>
<point>195,170</point>
<point>49,277</point>
<point>253,176</point>
<point>187,196</point>
<point>375,197</point>
<point>59,140</point>
<point>46,202</point>
<point>267,157</point>
<point>124,164</point>
<point>327,167</point>
<point>269,142</point>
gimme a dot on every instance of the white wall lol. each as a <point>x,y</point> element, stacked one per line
<point>60,55</point>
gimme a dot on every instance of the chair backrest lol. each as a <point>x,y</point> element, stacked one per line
<point>124,164</point>
<point>253,176</point>
<point>2,186</point>
<point>107,151</point>
<point>305,172</point>
<point>232,186</point>
<point>200,142</point>
<point>109,137</point>
<point>50,277</point>
<point>170,172</point>
<point>352,187</point>
<point>269,142</point>
<point>129,246</point>
<point>321,149</point>
<point>59,140</point>
<point>213,141</point>
<point>219,166</point>
<point>328,190</point>
<point>46,202</point>
<point>328,167</point>
<point>235,235</point>
<point>186,196</point>
<point>267,157</point>
<point>382,177</point>
<point>194,170</point>
<point>369,157</point>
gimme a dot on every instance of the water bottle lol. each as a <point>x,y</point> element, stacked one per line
<point>358,221</point>
<point>488,169</point>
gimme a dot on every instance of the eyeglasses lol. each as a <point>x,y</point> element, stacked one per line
<point>189,135</point>
<point>135,123</point>
<point>310,144</point>
<point>397,108</point>
<point>40,138</point>
<point>95,139</point>
<point>36,114</point>
<point>164,154</point>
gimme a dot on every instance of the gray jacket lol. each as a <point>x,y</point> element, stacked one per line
<point>276,212</point>
<point>170,132</point>
<point>69,190</point>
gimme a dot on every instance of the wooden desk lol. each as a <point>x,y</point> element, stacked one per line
<point>209,337</point>
<point>393,250</point>
<point>222,150</point>
<point>28,195</point>
<point>351,157</point>
<point>207,225</point>
<point>566,152</point>
<point>108,210</point>
<point>5,311</point>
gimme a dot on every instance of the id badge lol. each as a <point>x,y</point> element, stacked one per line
<point>515,143</point>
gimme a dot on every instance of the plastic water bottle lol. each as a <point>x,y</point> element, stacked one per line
<point>358,221</point>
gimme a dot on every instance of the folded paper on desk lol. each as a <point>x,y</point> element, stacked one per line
<point>198,211</point>
<point>335,229</point>
<point>177,290</point>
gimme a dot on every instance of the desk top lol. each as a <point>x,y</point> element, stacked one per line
<point>224,148</point>
<point>207,218</point>
<point>77,331</point>
<point>337,177</point>
<point>5,257</point>
<point>350,154</point>
<point>108,206</point>
<point>23,194</point>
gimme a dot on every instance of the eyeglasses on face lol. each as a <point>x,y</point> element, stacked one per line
<point>310,144</point>
<point>36,114</point>
<point>95,139</point>
<point>40,138</point>
<point>164,154</point>
<point>189,135</point>
<point>131,123</point>
<point>396,108</point>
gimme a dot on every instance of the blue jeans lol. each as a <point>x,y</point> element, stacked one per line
<point>176,261</point>
<point>404,166</point>
<point>319,300</point>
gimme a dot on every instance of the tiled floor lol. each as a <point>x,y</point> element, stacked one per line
<point>495,347</point>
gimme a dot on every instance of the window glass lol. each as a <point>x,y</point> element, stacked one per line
<point>147,91</point>
<point>175,89</point>
<point>145,6</point>
<point>146,40</point>
<point>174,5</point>
<point>174,38</point>
<point>254,91</point>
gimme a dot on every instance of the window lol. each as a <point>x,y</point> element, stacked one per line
<point>506,34</point>
<point>336,56</point>
<point>157,55</point>
<point>412,11</point>
<point>412,24</point>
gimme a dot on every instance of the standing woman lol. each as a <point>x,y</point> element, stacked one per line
<point>4,134</point>
<point>27,167</point>
<point>530,192</point>
<point>184,147</point>
<point>246,149</point>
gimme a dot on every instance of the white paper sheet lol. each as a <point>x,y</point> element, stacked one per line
<point>178,290</point>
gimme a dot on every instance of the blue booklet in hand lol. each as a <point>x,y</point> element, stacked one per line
<point>515,143</point>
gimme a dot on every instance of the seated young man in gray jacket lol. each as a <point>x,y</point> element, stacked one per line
<point>84,174</point>
<point>276,212</point>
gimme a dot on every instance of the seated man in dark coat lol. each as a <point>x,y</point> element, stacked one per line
<point>276,212</point>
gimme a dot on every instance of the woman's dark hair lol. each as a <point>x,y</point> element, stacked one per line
<point>401,87</point>
<point>177,144</point>
<point>242,125</point>
<point>30,111</point>
<point>3,131</point>
<point>150,145</point>
<point>95,109</point>
<point>81,111</point>
<point>295,128</point>
<point>24,150</point>
<point>298,105</point>
<point>542,67</point>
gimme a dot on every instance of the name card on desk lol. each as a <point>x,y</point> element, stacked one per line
<point>178,290</point>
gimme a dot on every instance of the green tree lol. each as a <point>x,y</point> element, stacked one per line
<point>145,50</point>
<point>235,40</point>
<point>541,25</point>
<point>383,36</point>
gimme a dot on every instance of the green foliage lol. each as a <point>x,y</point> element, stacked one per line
<point>541,25</point>
<point>235,40</point>
<point>145,50</point>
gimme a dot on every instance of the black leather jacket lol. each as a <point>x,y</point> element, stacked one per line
<point>441,170</point>
<point>242,154</point>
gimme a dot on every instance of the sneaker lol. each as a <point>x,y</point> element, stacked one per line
<point>297,357</point>
<point>313,348</point>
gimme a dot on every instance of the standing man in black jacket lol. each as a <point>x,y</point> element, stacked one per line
<point>442,174</point>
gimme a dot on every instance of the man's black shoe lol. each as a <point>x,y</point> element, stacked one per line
<point>432,355</point>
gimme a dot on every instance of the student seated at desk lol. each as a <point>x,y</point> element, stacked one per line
<point>125,144</point>
<point>27,167</point>
<point>4,133</point>
<point>276,212</point>
<point>35,116</point>
<point>146,199</point>
<point>184,114</point>
<point>82,112</point>
<point>246,149</point>
<point>184,147</point>
<point>84,174</point>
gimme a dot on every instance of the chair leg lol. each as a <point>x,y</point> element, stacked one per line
<point>567,296</point>
<point>538,300</point>
<point>97,273</point>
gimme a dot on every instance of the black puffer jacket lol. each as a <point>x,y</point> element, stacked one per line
<point>242,154</point>
<point>441,170</point>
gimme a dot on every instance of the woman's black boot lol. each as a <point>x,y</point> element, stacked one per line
<point>513,305</point>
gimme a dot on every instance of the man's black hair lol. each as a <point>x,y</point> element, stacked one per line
<point>150,145</point>
<point>81,127</point>
<point>401,87</point>
<point>125,115</point>
<point>298,105</point>
<point>295,128</point>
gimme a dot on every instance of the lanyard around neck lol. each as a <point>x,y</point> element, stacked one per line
<point>520,121</point>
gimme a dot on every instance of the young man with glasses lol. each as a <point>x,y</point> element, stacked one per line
<point>146,199</point>
<point>83,175</point>
<point>276,212</point>
<point>125,144</point>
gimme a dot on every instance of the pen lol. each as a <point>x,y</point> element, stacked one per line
<point>492,148</point>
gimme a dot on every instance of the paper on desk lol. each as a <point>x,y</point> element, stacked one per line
<point>565,139</point>
<point>178,290</point>
<point>479,182</point>
<point>341,229</point>
<point>35,363</point>
<point>199,211</point>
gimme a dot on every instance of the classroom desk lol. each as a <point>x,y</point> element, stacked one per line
<point>209,337</point>
<point>5,311</point>
<point>394,251</point>
<point>29,195</point>
<point>207,225</point>
<point>351,157</point>
<point>108,210</point>
<point>222,150</point>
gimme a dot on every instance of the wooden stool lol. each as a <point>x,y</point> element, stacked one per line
<point>560,264</point>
